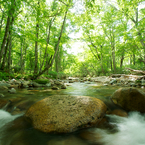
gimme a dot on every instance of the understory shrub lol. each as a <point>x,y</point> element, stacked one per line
<point>41,81</point>
<point>5,76</point>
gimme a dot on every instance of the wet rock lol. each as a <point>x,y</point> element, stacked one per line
<point>118,112</point>
<point>17,111</point>
<point>101,79</point>
<point>63,87</point>
<point>23,105</point>
<point>65,113</point>
<point>48,84</point>
<point>58,83</point>
<point>133,85</point>
<point>4,86</point>
<point>130,99</point>
<point>55,88</point>
<point>12,91</point>
<point>14,86</point>
<point>90,135</point>
<point>34,84</point>
<point>71,81</point>
<point>114,81</point>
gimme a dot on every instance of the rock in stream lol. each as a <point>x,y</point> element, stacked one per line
<point>63,113</point>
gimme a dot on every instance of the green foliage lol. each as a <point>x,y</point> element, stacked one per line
<point>28,76</point>
<point>5,76</point>
<point>53,74</point>
<point>41,81</point>
<point>18,76</point>
<point>62,75</point>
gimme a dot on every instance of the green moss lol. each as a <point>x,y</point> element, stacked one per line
<point>41,81</point>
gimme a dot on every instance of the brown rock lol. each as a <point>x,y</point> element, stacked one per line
<point>55,88</point>
<point>118,112</point>
<point>25,104</point>
<point>90,135</point>
<point>63,87</point>
<point>71,81</point>
<point>3,88</point>
<point>64,113</point>
<point>129,99</point>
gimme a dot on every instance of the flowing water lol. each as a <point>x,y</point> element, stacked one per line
<point>123,131</point>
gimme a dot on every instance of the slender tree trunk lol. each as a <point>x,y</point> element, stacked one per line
<point>133,58</point>
<point>36,42</point>
<point>113,49</point>
<point>36,50</point>
<point>113,57</point>
<point>21,58</point>
<point>121,61</point>
<point>40,59</point>
<point>10,15</point>
<point>111,64</point>
<point>46,56</point>
<point>4,56</point>
<point>52,58</point>
<point>1,22</point>
<point>130,59</point>
<point>9,56</point>
<point>5,38</point>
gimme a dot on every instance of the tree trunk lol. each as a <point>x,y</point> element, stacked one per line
<point>36,42</point>
<point>21,58</point>
<point>136,71</point>
<point>111,63</point>
<point>51,60</point>
<point>133,58</point>
<point>9,56</point>
<point>5,38</point>
<point>4,56</point>
<point>1,21</point>
<point>47,41</point>
<point>121,61</point>
<point>113,57</point>
<point>10,15</point>
<point>36,50</point>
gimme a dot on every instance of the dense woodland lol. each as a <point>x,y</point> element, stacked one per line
<point>35,37</point>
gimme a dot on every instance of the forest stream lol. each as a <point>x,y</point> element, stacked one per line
<point>123,131</point>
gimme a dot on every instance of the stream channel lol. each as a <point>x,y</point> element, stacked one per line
<point>125,131</point>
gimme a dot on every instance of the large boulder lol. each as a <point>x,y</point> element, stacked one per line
<point>129,99</point>
<point>63,114</point>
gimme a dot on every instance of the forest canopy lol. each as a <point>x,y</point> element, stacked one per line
<point>37,36</point>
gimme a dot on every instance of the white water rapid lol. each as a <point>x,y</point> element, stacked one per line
<point>5,117</point>
<point>131,130</point>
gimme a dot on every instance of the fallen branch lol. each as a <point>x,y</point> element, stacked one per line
<point>136,71</point>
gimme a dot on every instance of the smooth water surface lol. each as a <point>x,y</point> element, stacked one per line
<point>126,131</point>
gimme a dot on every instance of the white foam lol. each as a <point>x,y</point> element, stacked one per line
<point>131,130</point>
<point>6,117</point>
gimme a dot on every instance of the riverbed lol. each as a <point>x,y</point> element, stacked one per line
<point>124,131</point>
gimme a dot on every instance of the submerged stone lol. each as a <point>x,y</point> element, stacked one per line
<point>63,114</point>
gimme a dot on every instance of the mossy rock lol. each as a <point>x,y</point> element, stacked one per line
<point>42,81</point>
